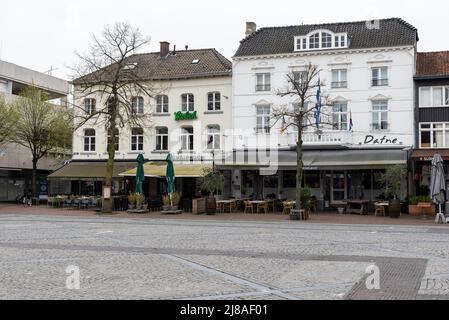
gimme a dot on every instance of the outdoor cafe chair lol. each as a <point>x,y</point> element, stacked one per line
<point>67,203</point>
<point>76,203</point>
<point>84,203</point>
<point>287,207</point>
<point>248,207</point>
<point>262,206</point>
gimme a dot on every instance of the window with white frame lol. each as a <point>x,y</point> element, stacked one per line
<point>116,140</point>
<point>379,76</point>
<point>187,138</point>
<point>263,118</point>
<point>321,40</point>
<point>299,77</point>
<point>434,135</point>
<point>162,104</point>
<point>89,140</point>
<point>214,101</point>
<point>340,118</point>
<point>339,78</point>
<point>380,115</point>
<point>187,102</point>
<point>137,105</point>
<point>162,139</point>
<point>305,121</point>
<point>213,137</point>
<point>434,96</point>
<point>263,81</point>
<point>89,106</point>
<point>137,139</point>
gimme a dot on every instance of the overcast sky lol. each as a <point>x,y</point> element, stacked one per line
<point>45,33</point>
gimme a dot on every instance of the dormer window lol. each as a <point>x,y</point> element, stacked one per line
<point>317,40</point>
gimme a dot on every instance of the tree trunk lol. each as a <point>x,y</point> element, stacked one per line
<point>34,178</point>
<point>108,203</point>
<point>300,168</point>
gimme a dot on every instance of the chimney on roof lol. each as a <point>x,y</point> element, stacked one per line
<point>251,27</point>
<point>165,48</point>
<point>187,47</point>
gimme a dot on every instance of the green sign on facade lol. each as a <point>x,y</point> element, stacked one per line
<point>179,116</point>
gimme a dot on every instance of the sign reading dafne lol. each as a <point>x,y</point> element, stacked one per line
<point>179,116</point>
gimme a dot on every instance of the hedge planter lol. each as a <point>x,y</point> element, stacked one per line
<point>211,206</point>
<point>394,208</point>
<point>417,211</point>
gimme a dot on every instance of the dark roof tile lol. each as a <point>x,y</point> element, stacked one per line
<point>150,66</point>
<point>280,40</point>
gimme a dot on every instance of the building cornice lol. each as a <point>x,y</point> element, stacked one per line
<point>322,53</point>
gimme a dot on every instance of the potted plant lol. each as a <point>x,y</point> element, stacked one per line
<point>306,198</point>
<point>166,203</point>
<point>415,210</point>
<point>392,181</point>
<point>131,201</point>
<point>175,198</point>
<point>211,182</point>
<point>140,199</point>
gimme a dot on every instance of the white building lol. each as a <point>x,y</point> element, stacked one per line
<point>368,70</point>
<point>190,112</point>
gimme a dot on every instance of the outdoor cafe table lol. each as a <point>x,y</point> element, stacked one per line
<point>223,203</point>
<point>357,206</point>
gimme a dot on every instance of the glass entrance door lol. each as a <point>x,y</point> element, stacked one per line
<point>339,186</point>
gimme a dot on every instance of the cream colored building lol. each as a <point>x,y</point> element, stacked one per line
<point>183,85</point>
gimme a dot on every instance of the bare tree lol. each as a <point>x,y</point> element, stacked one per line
<point>40,126</point>
<point>302,87</point>
<point>110,71</point>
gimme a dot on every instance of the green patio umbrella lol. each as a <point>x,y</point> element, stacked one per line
<point>170,176</point>
<point>140,175</point>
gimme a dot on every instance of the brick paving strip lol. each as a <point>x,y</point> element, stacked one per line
<point>400,278</point>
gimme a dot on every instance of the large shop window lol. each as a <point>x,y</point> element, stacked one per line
<point>289,179</point>
<point>434,135</point>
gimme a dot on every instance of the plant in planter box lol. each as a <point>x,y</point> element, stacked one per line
<point>140,199</point>
<point>131,201</point>
<point>414,210</point>
<point>392,181</point>
<point>166,203</point>
<point>175,198</point>
<point>212,181</point>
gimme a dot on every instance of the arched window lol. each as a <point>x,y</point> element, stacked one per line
<point>137,105</point>
<point>187,138</point>
<point>162,139</point>
<point>187,102</point>
<point>89,140</point>
<point>314,41</point>
<point>137,139</point>
<point>89,106</point>
<point>213,137</point>
<point>326,40</point>
<point>116,140</point>
<point>162,104</point>
<point>214,101</point>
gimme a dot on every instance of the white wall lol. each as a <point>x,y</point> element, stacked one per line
<point>174,89</point>
<point>359,93</point>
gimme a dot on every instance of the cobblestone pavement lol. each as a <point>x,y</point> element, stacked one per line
<point>137,258</point>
